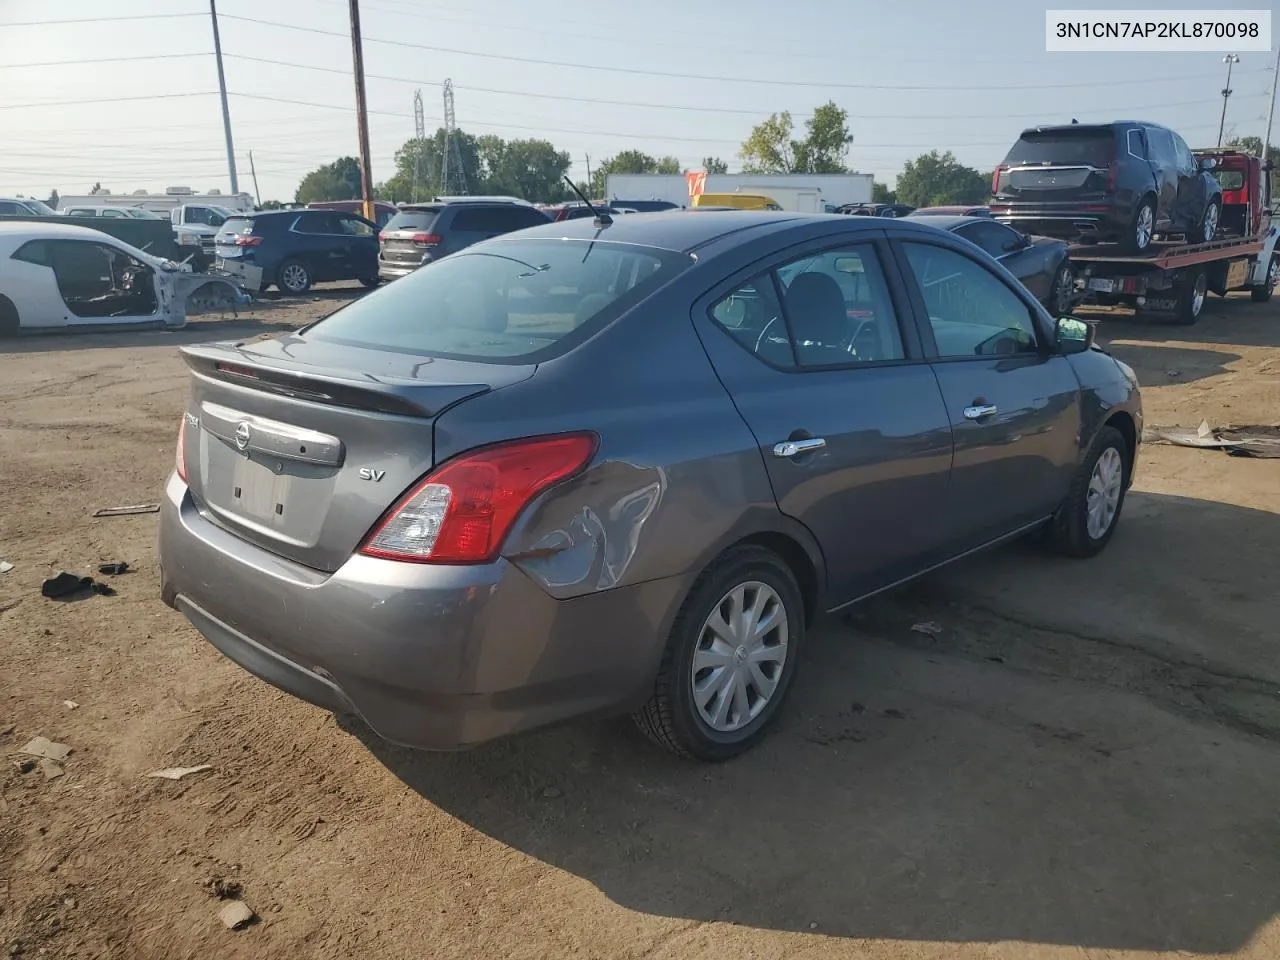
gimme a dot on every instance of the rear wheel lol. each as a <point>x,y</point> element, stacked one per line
<point>1263,293</point>
<point>370,282</point>
<point>1087,519</point>
<point>1191,296</point>
<point>1062,290</point>
<point>1142,227</point>
<point>1209,222</point>
<point>730,658</point>
<point>293,277</point>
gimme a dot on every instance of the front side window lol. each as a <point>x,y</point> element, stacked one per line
<point>355,227</point>
<point>995,238</point>
<point>971,311</point>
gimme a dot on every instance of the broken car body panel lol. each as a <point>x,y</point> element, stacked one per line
<point>59,276</point>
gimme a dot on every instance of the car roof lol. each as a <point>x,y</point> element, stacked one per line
<point>682,231</point>
<point>947,221</point>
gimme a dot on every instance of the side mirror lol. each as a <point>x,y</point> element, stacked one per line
<point>1208,163</point>
<point>1073,335</point>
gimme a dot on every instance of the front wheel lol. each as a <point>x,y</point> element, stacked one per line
<point>1088,517</point>
<point>730,658</point>
<point>1263,293</point>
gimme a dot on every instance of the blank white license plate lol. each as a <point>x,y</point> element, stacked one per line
<point>1102,284</point>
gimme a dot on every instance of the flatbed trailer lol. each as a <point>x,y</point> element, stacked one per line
<point>1173,279</point>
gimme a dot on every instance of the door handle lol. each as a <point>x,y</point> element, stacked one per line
<point>979,411</point>
<point>792,448</point>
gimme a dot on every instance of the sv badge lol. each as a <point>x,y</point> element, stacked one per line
<point>369,473</point>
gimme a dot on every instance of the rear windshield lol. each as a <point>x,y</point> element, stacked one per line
<point>413,219</point>
<point>1095,148</point>
<point>241,226</point>
<point>512,301</point>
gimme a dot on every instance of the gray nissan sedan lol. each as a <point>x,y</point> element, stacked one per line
<point>594,468</point>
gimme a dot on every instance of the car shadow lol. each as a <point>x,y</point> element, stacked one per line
<point>949,783</point>
<point>198,330</point>
<point>1233,321</point>
<point>1159,364</point>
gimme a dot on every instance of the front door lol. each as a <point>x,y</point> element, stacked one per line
<point>849,418</point>
<point>1163,159</point>
<point>1013,404</point>
<point>362,247</point>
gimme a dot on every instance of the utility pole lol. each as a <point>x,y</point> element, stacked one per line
<point>222,89</point>
<point>1230,60</point>
<point>254,173</point>
<point>362,112</point>
<point>1271,111</point>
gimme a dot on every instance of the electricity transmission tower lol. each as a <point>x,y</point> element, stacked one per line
<point>419,135</point>
<point>453,179</point>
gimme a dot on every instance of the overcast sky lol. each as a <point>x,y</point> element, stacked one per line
<point>913,74</point>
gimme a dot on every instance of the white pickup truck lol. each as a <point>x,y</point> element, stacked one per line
<point>194,226</point>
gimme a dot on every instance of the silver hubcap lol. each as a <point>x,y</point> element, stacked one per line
<point>1146,222</point>
<point>295,277</point>
<point>1210,222</point>
<point>741,652</point>
<point>1104,492</point>
<point>1066,286</point>
<point>1273,273</point>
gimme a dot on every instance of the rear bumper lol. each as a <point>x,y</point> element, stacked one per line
<point>394,269</point>
<point>1062,222</point>
<point>431,657</point>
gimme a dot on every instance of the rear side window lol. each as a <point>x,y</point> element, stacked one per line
<point>509,301</point>
<point>317,222</point>
<point>1093,147</point>
<point>413,220</point>
<point>34,251</point>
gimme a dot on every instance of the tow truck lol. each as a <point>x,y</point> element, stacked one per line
<point>1172,278</point>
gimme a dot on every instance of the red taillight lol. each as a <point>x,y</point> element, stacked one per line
<point>425,239</point>
<point>180,458</point>
<point>461,512</point>
<point>562,214</point>
<point>995,179</point>
<point>235,371</point>
<point>248,241</point>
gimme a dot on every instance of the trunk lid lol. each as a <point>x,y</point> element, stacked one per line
<point>224,242</point>
<point>408,237</point>
<point>290,448</point>
<point>1059,165</point>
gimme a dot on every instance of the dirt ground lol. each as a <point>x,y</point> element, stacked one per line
<point>1085,762</point>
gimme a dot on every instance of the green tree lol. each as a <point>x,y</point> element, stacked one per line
<point>668,166</point>
<point>714,165</point>
<point>420,169</point>
<point>630,161</point>
<point>770,148</point>
<point>939,179</point>
<point>271,205</point>
<point>880,193</point>
<point>529,169</point>
<point>339,180</point>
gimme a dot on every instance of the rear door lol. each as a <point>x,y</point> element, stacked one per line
<point>318,239</point>
<point>849,418</point>
<point>1012,403</point>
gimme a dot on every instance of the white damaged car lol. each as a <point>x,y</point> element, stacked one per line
<point>56,275</point>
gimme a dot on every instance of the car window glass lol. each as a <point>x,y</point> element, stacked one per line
<point>1161,147</point>
<point>972,312</point>
<point>1137,146</point>
<point>996,239</point>
<point>504,301</point>
<point>527,217</point>
<point>317,223</point>
<point>751,315</point>
<point>1185,159</point>
<point>838,308</point>
<point>33,251</point>
<point>356,228</point>
<point>9,208</point>
<point>116,214</point>
<point>470,219</point>
<point>417,219</point>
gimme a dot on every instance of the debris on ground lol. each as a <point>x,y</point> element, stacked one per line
<point>65,585</point>
<point>5,566</point>
<point>928,627</point>
<point>51,770</point>
<point>7,729</point>
<point>46,748</point>
<point>177,773</point>
<point>236,915</point>
<point>70,704</point>
<point>1252,441</point>
<point>551,793</point>
<point>224,889</point>
<point>128,511</point>
<point>113,569</point>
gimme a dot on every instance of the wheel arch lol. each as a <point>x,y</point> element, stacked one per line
<point>10,322</point>
<point>1123,421</point>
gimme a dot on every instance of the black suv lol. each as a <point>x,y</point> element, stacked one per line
<point>295,248</point>
<point>423,232</point>
<point>1123,181</point>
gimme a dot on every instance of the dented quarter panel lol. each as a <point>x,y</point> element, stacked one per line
<point>676,480</point>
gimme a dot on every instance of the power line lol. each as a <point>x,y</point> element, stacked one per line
<point>68,103</point>
<point>635,71</point>
<point>76,63</point>
<point>142,16</point>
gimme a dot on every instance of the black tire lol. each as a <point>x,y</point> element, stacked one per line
<point>1263,293</point>
<point>1132,241</point>
<point>370,282</point>
<point>670,718</point>
<point>298,274</point>
<point>1068,532</point>
<point>1214,207</point>
<point>1061,290</point>
<point>1191,294</point>
<point>9,322</point>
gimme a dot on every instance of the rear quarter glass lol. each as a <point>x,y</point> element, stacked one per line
<point>516,301</point>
